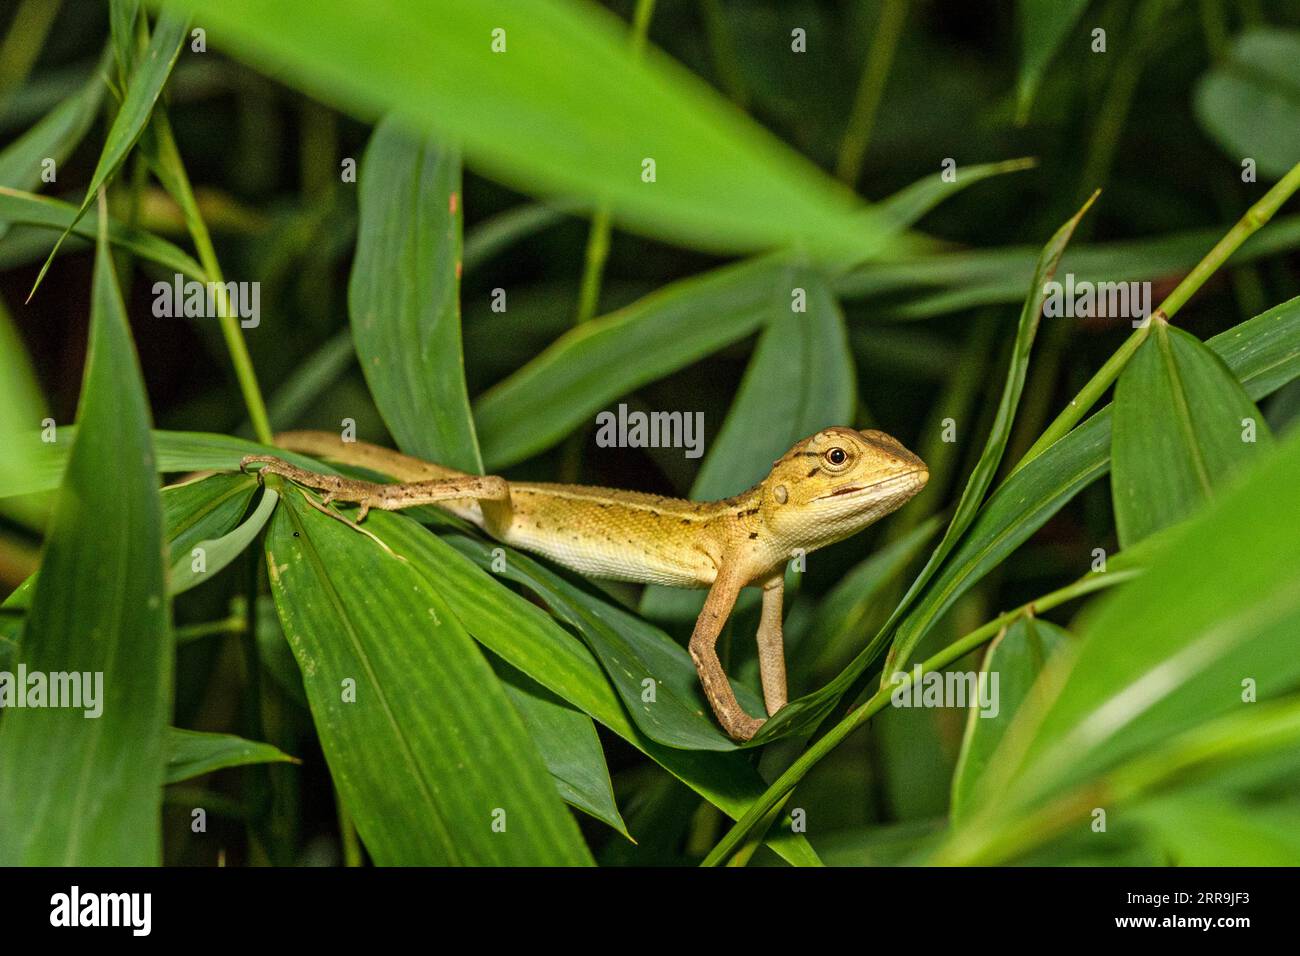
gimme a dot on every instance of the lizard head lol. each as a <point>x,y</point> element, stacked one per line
<point>837,482</point>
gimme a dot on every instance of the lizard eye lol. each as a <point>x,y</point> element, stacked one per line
<point>837,456</point>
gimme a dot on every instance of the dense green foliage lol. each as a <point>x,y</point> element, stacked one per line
<point>473,227</point>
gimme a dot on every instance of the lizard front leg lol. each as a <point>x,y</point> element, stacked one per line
<point>771,647</point>
<point>387,497</point>
<point>703,647</point>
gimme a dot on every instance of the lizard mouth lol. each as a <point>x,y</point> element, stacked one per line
<point>854,489</point>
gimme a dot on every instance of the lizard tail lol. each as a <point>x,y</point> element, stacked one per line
<point>360,454</point>
<point>329,446</point>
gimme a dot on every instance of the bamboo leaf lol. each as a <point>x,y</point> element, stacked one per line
<point>192,753</point>
<point>607,357</point>
<point>1220,602</point>
<point>145,88</point>
<point>543,95</point>
<point>1181,425</point>
<point>566,738</point>
<point>22,409</point>
<point>1044,25</point>
<point>99,607</point>
<point>404,295</point>
<point>1248,102</point>
<point>191,570</point>
<point>53,138</point>
<point>421,740</point>
<point>204,509</point>
<point>946,282</point>
<point>1015,659</point>
<point>635,654</point>
<point>26,208</point>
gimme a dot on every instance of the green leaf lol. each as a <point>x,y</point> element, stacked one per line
<point>942,283</point>
<point>189,571</point>
<point>421,740</point>
<point>192,753</point>
<point>566,108</point>
<point>192,512</point>
<point>1248,103</point>
<point>204,509</point>
<point>1044,25</point>
<point>907,637</point>
<point>176,452</point>
<point>17,206</point>
<point>1181,425</point>
<point>22,409</point>
<point>1016,656</point>
<point>1264,353</point>
<point>1205,829</point>
<point>800,379</point>
<point>100,607</point>
<point>145,88</point>
<point>566,738</point>
<point>121,27</point>
<point>404,295</point>
<point>54,137</point>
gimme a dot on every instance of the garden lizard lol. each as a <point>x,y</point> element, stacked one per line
<point>824,489</point>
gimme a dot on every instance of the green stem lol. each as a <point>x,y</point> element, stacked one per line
<point>598,238</point>
<point>594,268</point>
<point>889,27</point>
<point>1248,225</point>
<point>172,172</point>
<point>193,632</point>
<point>347,834</point>
<point>762,808</point>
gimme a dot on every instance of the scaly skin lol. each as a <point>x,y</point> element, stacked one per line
<point>826,488</point>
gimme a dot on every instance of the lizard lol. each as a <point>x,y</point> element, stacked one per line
<point>824,489</point>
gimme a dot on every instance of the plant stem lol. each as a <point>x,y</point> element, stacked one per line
<point>598,237</point>
<point>1256,216</point>
<point>172,173</point>
<point>347,834</point>
<point>594,268</point>
<point>785,784</point>
<point>193,632</point>
<point>889,27</point>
